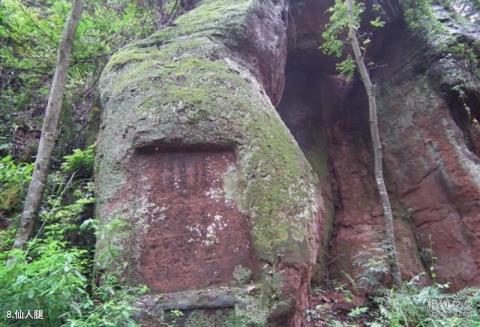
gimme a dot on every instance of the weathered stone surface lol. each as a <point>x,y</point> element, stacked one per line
<point>431,162</point>
<point>359,223</point>
<point>329,120</point>
<point>436,178</point>
<point>194,158</point>
<point>431,156</point>
<point>430,144</point>
<point>196,235</point>
<point>190,88</point>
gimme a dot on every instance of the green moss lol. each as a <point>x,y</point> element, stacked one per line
<point>183,78</point>
<point>252,317</point>
<point>129,55</point>
<point>255,310</point>
<point>169,67</point>
<point>280,226</point>
<point>317,156</point>
<point>203,318</point>
<point>242,275</point>
<point>203,84</point>
<point>194,90</point>
<point>213,18</point>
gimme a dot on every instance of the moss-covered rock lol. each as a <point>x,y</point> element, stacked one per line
<point>196,85</point>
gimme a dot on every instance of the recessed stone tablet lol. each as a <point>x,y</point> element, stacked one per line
<point>195,235</point>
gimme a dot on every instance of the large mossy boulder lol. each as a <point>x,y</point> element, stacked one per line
<point>203,180</point>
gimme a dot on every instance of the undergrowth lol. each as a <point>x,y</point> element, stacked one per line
<point>420,302</point>
<point>14,178</point>
<point>51,282</point>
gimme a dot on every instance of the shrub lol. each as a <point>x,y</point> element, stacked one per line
<point>14,178</point>
<point>48,277</point>
<point>80,161</point>
<point>415,305</point>
<point>54,273</point>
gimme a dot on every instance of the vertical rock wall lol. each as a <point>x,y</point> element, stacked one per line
<point>430,143</point>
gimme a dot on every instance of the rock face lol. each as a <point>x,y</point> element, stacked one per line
<point>194,158</point>
<point>433,163</point>
<point>182,193</point>
<point>430,146</point>
<point>215,188</point>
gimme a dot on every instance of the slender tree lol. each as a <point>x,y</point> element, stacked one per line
<point>348,15</point>
<point>49,129</point>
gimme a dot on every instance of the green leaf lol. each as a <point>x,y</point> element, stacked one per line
<point>347,67</point>
<point>377,23</point>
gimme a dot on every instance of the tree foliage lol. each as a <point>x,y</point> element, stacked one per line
<point>14,178</point>
<point>333,43</point>
<point>54,273</point>
<point>29,34</point>
<point>469,9</point>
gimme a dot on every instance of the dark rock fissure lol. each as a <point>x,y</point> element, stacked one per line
<point>309,103</point>
<point>328,116</point>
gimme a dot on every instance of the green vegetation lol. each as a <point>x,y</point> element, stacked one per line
<point>14,178</point>
<point>53,277</point>
<point>416,303</point>
<point>421,19</point>
<point>29,35</point>
<point>79,161</point>
<point>47,277</point>
<point>413,305</point>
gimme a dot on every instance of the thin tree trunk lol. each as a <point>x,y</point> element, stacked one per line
<point>49,129</point>
<point>377,149</point>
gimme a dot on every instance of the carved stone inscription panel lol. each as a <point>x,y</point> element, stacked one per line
<point>194,235</point>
